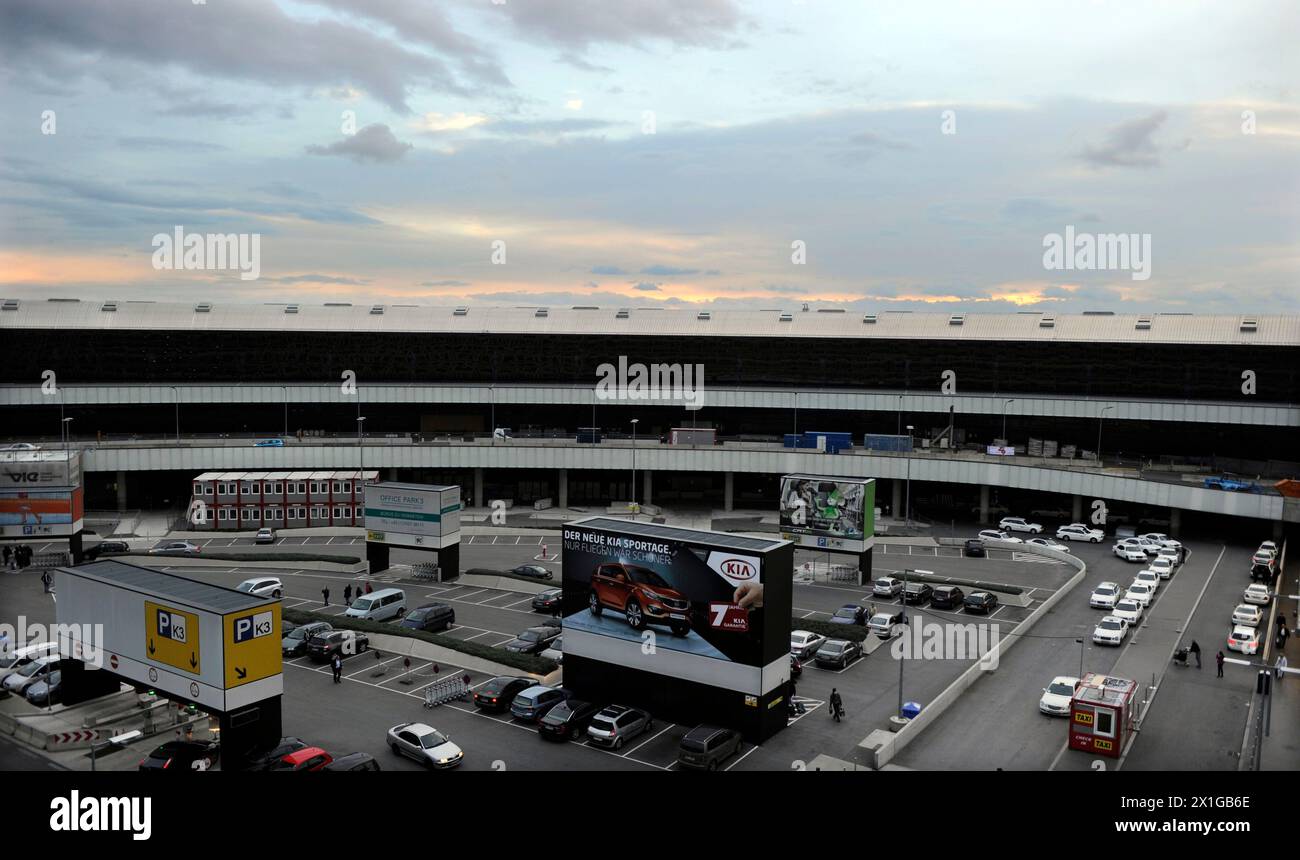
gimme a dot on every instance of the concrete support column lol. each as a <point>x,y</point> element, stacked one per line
<point>897,509</point>
<point>392,475</point>
<point>479,501</point>
<point>563,489</point>
<point>121,489</point>
<point>729,491</point>
<point>984,505</point>
<point>1076,510</point>
<point>1175,522</point>
<point>1277,532</point>
<point>647,483</point>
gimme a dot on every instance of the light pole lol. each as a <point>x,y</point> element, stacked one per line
<point>1005,403</point>
<point>67,463</point>
<point>634,423</point>
<point>1100,419</point>
<point>902,632</point>
<point>285,389</point>
<point>900,415</point>
<point>361,450</point>
<point>796,414</point>
<point>907,507</point>
<point>492,389</point>
<point>176,401</point>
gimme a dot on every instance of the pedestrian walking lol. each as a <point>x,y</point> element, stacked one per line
<point>336,663</point>
<point>1279,668</point>
<point>8,552</point>
<point>837,705</point>
<point>1196,649</point>
<point>325,592</point>
<point>47,581</point>
<point>1218,658</point>
<point>369,588</point>
<point>1281,636</point>
<point>347,594</point>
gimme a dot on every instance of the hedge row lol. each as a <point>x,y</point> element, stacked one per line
<point>523,662</point>
<point>485,571</point>
<point>250,556</point>
<point>853,632</point>
<point>978,585</point>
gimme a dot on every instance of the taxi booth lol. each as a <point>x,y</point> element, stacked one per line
<point>1102,714</point>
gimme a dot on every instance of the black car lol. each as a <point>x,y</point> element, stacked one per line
<point>851,613</point>
<point>430,617</point>
<point>266,757</point>
<point>345,643</point>
<point>183,755</point>
<point>974,548</point>
<point>980,602</point>
<point>946,597</point>
<point>1265,573</point>
<point>706,747</point>
<point>107,547</point>
<point>296,638</point>
<point>532,571</point>
<point>353,761</point>
<point>568,720</point>
<point>497,694</point>
<point>838,653</point>
<point>534,640</point>
<point>548,601</point>
<point>917,593</point>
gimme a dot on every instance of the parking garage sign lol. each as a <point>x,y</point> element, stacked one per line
<point>172,637</point>
<point>252,646</point>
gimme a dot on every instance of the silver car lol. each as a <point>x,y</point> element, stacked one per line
<point>804,643</point>
<point>34,672</point>
<point>425,744</point>
<point>176,547</point>
<point>618,724</point>
<point>262,586</point>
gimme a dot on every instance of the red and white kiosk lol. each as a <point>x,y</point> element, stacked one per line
<point>1102,714</point>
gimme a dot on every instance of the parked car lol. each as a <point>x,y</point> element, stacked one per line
<point>534,640</point>
<point>1162,566</point>
<point>838,653</point>
<point>182,755</point>
<point>1019,524</point>
<point>264,758</point>
<point>946,597</point>
<point>19,681</point>
<point>885,624</point>
<point>851,613</point>
<point>269,443</point>
<point>1104,596</point>
<point>532,704</point>
<point>1047,543</point>
<point>1141,592</point>
<point>618,724</point>
<point>1257,594</point>
<point>554,651</point>
<point>22,446</point>
<point>1265,573</point>
<point>1268,546</point>
<point>1129,610</point>
<point>980,602</point>
<point>1246,615</point>
<point>305,759</point>
<point>568,719</point>
<point>1078,531</point>
<point>993,534</point>
<point>1244,639</point>
<point>1148,577</point>
<point>917,593</point>
<point>1162,540</point>
<point>322,647</point>
<point>12,661</point>
<point>1129,552</point>
<point>46,691</point>
<point>1058,695</point>
<point>1110,631</point>
<point>532,571</point>
<point>497,694</point>
<point>707,747</point>
<point>176,547</point>
<point>974,548</point>
<point>796,667</point>
<point>295,640</point>
<point>425,744</point>
<point>106,548</point>
<point>382,605</point>
<point>548,601</point>
<point>265,536</point>
<point>804,643</point>
<point>887,586</point>
<point>642,595</point>
<point>262,586</point>
<point>430,617</point>
<point>353,761</point>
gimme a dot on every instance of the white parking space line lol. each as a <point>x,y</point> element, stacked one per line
<point>494,539</point>
<point>516,540</point>
<point>648,740</point>
<point>477,635</point>
<point>516,603</point>
<point>465,597</point>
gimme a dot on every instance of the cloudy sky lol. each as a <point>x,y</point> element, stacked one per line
<point>652,152</point>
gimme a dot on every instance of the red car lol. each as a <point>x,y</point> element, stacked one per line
<point>641,595</point>
<point>307,758</point>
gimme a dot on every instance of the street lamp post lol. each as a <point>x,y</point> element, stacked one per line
<point>907,507</point>
<point>900,415</point>
<point>634,423</point>
<point>285,389</point>
<point>1004,418</point>
<point>67,463</point>
<point>902,632</point>
<point>176,401</point>
<point>1100,419</point>
<point>361,449</point>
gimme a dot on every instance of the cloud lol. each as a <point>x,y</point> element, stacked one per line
<point>447,283</point>
<point>318,279</point>
<point>175,143</point>
<point>668,271</point>
<point>437,122</point>
<point>373,143</point>
<point>576,24</point>
<point>1128,144</point>
<point>1033,209</point>
<point>646,287</point>
<point>607,270</point>
<point>548,127</point>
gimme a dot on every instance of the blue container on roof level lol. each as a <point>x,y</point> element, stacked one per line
<point>911,710</point>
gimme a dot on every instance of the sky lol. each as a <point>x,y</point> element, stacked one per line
<point>657,153</point>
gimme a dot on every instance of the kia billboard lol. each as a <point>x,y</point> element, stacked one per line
<point>828,513</point>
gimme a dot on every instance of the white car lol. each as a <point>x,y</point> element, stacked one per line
<point>1162,566</point>
<point>1048,543</point>
<point>1244,639</point>
<point>22,446</point>
<point>1161,540</point>
<point>887,586</point>
<point>1129,610</point>
<point>555,651</point>
<point>1257,594</point>
<point>1104,596</point>
<point>1018,524</point>
<point>804,644</point>
<point>425,744</point>
<point>1078,531</point>
<point>32,673</point>
<point>1268,546</point>
<point>1140,592</point>
<point>993,534</point>
<point>1110,631</point>
<point>1129,552</point>
<point>1057,696</point>
<point>265,536</point>
<point>1148,577</point>
<point>262,586</point>
<point>1246,615</point>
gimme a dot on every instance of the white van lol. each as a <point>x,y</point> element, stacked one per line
<point>12,661</point>
<point>379,605</point>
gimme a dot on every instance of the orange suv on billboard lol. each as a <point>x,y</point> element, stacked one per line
<point>641,595</point>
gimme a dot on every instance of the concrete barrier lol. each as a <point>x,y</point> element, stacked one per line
<point>7,724</point>
<point>882,745</point>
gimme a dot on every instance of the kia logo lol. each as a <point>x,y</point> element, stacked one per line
<point>738,569</point>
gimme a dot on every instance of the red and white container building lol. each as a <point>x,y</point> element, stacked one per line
<point>281,500</point>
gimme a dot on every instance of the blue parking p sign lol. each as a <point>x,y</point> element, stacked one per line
<point>253,626</point>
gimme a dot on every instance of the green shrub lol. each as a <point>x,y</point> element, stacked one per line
<point>852,632</point>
